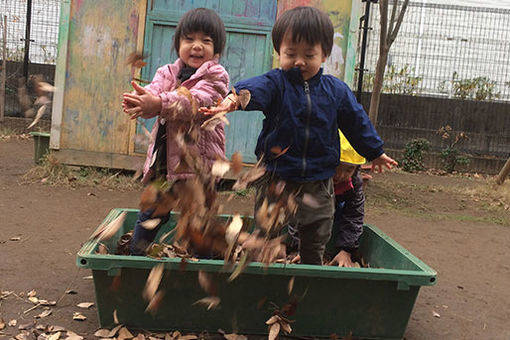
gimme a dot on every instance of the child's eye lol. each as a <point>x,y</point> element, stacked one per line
<point>309,56</point>
<point>188,38</point>
<point>207,40</point>
<point>290,55</point>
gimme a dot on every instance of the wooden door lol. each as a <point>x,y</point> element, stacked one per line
<point>248,52</point>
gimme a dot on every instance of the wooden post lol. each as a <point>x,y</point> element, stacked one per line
<point>4,65</point>
<point>503,174</point>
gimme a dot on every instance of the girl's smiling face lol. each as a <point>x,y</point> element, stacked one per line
<point>301,54</point>
<point>196,48</point>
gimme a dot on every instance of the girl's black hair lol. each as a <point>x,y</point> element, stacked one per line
<point>203,20</point>
<point>304,23</point>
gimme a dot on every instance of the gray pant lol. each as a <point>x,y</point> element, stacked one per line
<point>314,214</point>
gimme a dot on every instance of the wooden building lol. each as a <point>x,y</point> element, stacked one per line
<point>96,37</point>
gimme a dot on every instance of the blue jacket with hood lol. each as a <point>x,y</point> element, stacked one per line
<point>304,116</point>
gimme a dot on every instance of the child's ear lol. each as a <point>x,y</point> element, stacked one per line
<point>324,58</point>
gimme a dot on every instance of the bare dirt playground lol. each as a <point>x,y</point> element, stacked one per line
<point>457,225</point>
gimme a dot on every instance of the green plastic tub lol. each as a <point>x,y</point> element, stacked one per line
<point>41,145</point>
<point>372,303</point>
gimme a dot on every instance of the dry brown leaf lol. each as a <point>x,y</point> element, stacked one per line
<point>151,224</point>
<point>210,124</point>
<point>102,333</point>
<point>248,177</point>
<point>188,337</point>
<point>310,201</point>
<point>56,329</point>
<point>47,303</point>
<point>212,302</point>
<point>114,331</point>
<point>115,317</point>
<point>153,280</point>
<point>219,168</point>
<point>12,323</point>
<point>291,285</point>
<point>234,336</point>
<point>206,282</point>
<point>273,319</point>
<point>243,98</point>
<point>140,336</point>
<point>237,162</point>
<point>72,336</point>
<point>44,314</point>
<point>274,330</point>
<point>124,333</point>
<point>136,59</point>
<point>32,293</point>
<point>2,323</point>
<point>38,115</point>
<point>85,305</point>
<point>45,87</point>
<point>42,100</point>
<point>34,300</point>
<point>79,317</point>
<point>54,336</point>
<point>107,230</point>
<point>233,229</point>
<point>155,302</point>
<point>285,326</point>
<point>23,336</point>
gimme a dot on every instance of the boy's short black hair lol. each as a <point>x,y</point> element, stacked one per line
<point>203,20</point>
<point>304,23</point>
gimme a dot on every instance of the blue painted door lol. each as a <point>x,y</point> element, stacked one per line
<point>248,52</point>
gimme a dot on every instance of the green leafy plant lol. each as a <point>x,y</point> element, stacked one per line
<point>478,88</point>
<point>412,159</point>
<point>451,156</point>
<point>396,81</point>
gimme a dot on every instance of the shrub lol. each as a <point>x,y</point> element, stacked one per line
<point>412,160</point>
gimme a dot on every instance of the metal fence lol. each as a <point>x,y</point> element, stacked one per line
<point>42,19</point>
<point>445,50</point>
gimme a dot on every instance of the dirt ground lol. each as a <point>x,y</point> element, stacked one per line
<point>451,223</point>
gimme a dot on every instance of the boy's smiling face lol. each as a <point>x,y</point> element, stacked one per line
<point>301,54</point>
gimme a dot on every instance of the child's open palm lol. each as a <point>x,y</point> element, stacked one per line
<point>385,160</point>
<point>140,103</point>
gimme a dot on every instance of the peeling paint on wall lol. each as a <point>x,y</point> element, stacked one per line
<point>101,36</point>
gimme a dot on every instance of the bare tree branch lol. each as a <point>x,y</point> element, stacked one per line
<point>394,32</point>
<point>393,12</point>
<point>383,9</point>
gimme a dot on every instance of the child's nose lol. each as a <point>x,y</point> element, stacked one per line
<point>299,62</point>
<point>197,45</point>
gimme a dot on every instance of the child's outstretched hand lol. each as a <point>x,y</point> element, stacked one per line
<point>228,104</point>
<point>383,160</point>
<point>140,103</point>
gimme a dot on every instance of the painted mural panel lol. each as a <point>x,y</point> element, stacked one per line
<point>340,12</point>
<point>101,36</point>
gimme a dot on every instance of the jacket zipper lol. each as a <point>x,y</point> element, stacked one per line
<point>307,129</point>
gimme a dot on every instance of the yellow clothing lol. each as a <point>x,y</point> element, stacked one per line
<point>347,152</point>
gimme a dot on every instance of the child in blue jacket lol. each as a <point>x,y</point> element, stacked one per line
<point>303,111</point>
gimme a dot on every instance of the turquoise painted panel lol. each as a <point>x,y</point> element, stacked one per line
<point>248,52</point>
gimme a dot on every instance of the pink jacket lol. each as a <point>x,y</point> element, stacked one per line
<point>208,84</point>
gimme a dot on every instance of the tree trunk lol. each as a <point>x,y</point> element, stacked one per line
<point>378,84</point>
<point>503,174</point>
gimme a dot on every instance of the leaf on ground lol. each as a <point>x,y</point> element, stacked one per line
<point>211,302</point>
<point>2,324</point>
<point>54,336</point>
<point>34,300</point>
<point>23,336</point>
<point>31,293</point>
<point>188,337</point>
<point>70,291</point>
<point>274,330</point>
<point>79,317</point>
<point>43,314</point>
<point>124,334</point>
<point>16,238</point>
<point>27,325</point>
<point>103,333</point>
<point>12,323</point>
<point>72,336</point>
<point>152,284</point>
<point>435,314</point>
<point>85,305</point>
<point>140,336</point>
<point>114,331</point>
<point>234,336</point>
<point>47,303</point>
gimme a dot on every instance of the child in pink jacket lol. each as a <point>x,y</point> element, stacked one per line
<point>199,40</point>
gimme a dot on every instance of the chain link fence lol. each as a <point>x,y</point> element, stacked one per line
<point>445,50</point>
<point>43,37</point>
